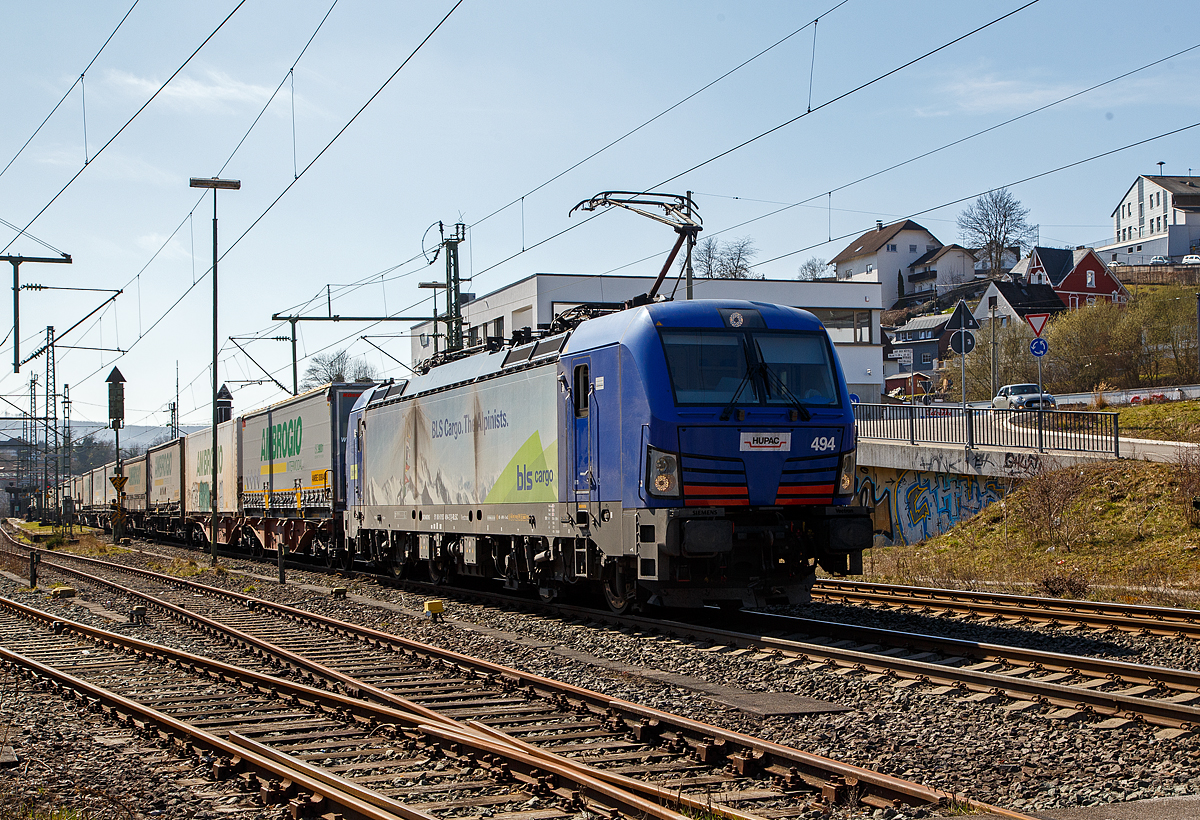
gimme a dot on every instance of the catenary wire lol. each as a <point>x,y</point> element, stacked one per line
<point>78,80</point>
<point>128,122</point>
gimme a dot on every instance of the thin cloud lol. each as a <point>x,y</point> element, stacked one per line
<point>210,91</point>
<point>993,94</point>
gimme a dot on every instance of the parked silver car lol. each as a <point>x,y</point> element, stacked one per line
<point>1023,397</point>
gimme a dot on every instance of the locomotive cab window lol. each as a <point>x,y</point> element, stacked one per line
<point>707,367</point>
<point>580,393</point>
<point>753,366</point>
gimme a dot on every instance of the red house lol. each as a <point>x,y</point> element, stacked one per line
<point>1079,277</point>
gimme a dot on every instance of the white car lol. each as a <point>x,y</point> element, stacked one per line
<point>1191,259</point>
<point>1023,397</point>
<point>1159,260</point>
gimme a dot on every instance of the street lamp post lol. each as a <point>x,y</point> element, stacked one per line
<point>231,185</point>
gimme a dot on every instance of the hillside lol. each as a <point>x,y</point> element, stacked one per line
<point>1119,531</point>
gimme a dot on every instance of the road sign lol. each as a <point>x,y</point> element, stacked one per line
<point>118,481</point>
<point>904,355</point>
<point>854,398</point>
<point>1038,347</point>
<point>1037,321</point>
<point>962,342</point>
<point>962,319</point>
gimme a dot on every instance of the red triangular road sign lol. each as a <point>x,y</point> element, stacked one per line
<point>1037,321</point>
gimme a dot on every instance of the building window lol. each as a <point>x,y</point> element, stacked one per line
<point>912,248</point>
<point>870,268</point>
<point>891,248</point>
<point>1091,279</point>
<point>926,358</point>
<point>1091,300</point>
<point>846,326</point>
<point>1139,247</point>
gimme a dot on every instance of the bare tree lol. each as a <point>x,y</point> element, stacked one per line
<point>713,259</point>
<point>996,221</point>
<point>337,366</point>
<point>813,268</point>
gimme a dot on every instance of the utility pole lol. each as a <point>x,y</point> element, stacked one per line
<point>454,320</point>
<point>16,266</point>
<point>52,415</point>
<point>31,473</point>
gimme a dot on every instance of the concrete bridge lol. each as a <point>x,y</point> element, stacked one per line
<point>920,486</point>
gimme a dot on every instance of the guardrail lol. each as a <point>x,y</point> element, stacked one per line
<point>1088,432</point>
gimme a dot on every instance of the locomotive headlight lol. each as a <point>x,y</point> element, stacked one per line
<point>663,473</point>
<point>845,477</point>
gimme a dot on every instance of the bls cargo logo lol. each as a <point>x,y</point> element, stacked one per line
<point>526,478</point>
<point>775,442</point>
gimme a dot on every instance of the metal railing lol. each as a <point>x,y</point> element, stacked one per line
<point>1088,432</point>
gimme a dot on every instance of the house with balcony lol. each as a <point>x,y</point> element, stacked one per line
<point>1157,216</point>
<point>884,255</point>
<point>939,270</point>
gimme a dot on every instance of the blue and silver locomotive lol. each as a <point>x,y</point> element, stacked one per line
<point>674,454</point>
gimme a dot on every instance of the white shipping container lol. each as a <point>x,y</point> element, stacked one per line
<point>285,448</point>
<point>165,473</point>
<point>135,483</point>
<point>199,469</point>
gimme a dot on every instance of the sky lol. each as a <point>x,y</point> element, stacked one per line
<point>356,126</point>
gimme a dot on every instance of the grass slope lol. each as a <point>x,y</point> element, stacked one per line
<point>1118,531</point>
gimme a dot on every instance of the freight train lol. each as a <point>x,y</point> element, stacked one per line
<point>676,454</point>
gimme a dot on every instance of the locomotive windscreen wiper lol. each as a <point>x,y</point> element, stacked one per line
<point>783,390</point>
<point>746,379</point>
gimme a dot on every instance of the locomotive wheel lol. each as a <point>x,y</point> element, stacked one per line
<point>620,590</point>
<point>439,570</point>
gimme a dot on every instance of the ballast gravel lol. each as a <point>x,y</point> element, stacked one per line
<point>1025,761</point>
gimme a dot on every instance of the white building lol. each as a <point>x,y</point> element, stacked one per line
<point>884,255</point>
<point>849,310</point>
<point>1158,216</point>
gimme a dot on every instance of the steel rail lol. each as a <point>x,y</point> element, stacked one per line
<point>708,741</point>
<point>346,794</point>
<point>1184,623</point>
<point>1158,712</point>
<point>588,781</point>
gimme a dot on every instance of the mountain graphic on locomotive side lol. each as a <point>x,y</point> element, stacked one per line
<point>677,454</point>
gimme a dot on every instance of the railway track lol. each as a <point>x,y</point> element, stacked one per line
<point>625,745</point>
<point>1017,609</point>
<point>295,744</point>
<point>1108,692</point>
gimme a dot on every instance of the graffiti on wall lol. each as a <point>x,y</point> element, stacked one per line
<point>910,505</point>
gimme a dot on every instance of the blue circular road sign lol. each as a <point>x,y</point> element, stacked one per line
<point>854,398</point>
<point>1038,347</point>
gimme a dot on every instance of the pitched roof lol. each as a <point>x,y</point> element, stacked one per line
<point>933,321</point>
<point>937,253</point>
<point>1026,299</point>
<point>1058,262</point>
<point>875,239</point>
<point>1185,191</point>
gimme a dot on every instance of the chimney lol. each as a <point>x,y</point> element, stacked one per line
<point>879,224</point>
